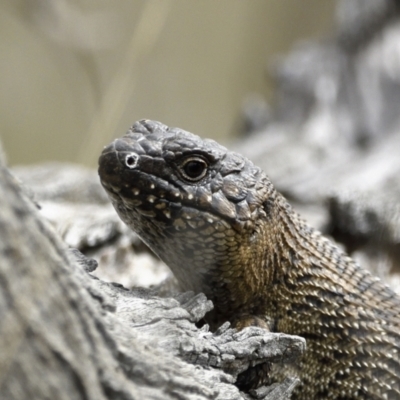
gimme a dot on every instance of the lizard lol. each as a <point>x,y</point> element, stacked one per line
<point>218,222</point>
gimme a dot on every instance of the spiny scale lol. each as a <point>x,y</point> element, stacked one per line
<point>229,234</point>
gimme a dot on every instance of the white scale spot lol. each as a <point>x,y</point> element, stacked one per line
<point>210,220</point>
<point>152,186</point>
<point>135,191</point>
<point>209,199</point>
<point>167,213</point>
<point>151,198</point>
<point>190,196</point>
<point>176,194</point>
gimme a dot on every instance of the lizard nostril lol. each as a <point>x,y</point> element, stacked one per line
<point>131,160</point>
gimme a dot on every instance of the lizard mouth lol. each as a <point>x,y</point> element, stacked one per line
<point>140,178</point>
<point>150,197</point>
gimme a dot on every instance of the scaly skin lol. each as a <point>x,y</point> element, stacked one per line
<point>230,235</point>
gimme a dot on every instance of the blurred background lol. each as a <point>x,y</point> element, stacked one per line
<point>76,73</point>
<point>315,85</point>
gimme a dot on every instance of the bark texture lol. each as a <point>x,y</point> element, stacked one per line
<point>65,334</point>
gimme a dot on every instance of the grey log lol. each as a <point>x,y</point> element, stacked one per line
<point>65,334</point>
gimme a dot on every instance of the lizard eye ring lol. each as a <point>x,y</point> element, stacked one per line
<point>131,160</point>
<point>193,169</point>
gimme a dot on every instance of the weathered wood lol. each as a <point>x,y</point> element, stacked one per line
<point>87,221</point>
<point>65,334</point>
<point>368,223</point>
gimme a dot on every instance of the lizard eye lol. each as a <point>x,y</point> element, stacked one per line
<point>193,169</point>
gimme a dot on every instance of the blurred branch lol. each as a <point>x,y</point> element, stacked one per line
<point>359,21</point>
<point>144,37</point>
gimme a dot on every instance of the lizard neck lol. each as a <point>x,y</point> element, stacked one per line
<point>276,252</point>
<point>313,283</point>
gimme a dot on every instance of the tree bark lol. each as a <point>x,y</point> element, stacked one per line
<point>65,334</point>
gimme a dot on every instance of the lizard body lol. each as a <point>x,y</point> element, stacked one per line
<point>216,220</point>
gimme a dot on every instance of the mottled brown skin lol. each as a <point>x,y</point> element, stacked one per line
<point>220,225</point>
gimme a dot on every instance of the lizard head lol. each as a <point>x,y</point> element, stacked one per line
<point>198,206</point>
